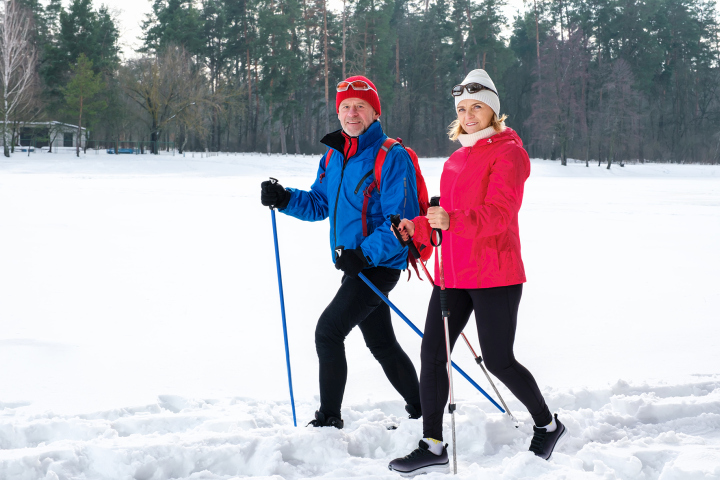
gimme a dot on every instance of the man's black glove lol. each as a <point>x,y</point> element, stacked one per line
<point>272,194</point>
<point>351,262</point>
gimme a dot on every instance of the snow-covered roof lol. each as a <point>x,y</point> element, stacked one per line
<point>50,123</point>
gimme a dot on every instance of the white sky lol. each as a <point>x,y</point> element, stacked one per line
<point>130,14</point>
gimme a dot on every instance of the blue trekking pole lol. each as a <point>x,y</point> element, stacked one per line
<point>339,251</point>
<point>282,308</point>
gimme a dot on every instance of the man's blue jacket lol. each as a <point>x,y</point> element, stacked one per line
<point>338,193</point>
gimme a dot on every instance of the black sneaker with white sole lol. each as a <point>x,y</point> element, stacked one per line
<point>544,442</point>
<point>421,460</point>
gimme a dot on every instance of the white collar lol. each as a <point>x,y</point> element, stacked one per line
<point>469,139</point>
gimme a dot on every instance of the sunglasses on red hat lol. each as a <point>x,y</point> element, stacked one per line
<point>471,88</point>
<point>357,85</point>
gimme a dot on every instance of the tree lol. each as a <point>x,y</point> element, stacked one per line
<point>163,86</point>
<point>81,30</point>
<point>80,92</point>
<point>557,108</point>
<point>17,62</point>
<point>173,23</point>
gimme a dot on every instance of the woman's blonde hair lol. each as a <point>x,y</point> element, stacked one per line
<point>455,129</point>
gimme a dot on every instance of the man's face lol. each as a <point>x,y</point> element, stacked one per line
<point>356,116</point>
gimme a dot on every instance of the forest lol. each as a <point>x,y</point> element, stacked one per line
<point>605,81</point>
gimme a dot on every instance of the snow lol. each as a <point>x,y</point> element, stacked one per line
<point>141,334</point>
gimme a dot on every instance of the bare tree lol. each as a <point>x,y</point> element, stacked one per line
<point>619,113</point>
<point>557,104</point>
<point>17,61</point>
<point>164,86</point>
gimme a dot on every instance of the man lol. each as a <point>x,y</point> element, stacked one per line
<point>369,245</point>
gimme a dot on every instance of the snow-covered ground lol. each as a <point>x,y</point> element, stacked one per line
<point>141,338</point>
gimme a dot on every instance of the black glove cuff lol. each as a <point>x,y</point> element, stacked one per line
<point>358,251</point>
<point>283,199</point>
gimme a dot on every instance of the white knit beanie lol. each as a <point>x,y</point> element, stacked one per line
<point>486,96</point>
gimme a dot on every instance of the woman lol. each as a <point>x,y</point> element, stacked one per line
<point>481,192</point>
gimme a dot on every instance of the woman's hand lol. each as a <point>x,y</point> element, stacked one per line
<point>406,229</point>
<point>438,218</point>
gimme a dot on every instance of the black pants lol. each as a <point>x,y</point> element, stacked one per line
<point>496,316</point>
<point>355,304</point>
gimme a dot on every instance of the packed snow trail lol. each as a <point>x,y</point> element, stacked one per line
<point>142,338</point>
<point>624,432</point>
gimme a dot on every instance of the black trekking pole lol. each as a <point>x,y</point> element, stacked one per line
<point>437,243</point>
<point>282,308</point>
<point>395,219</point>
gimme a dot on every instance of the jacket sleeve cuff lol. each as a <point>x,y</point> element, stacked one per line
<point>282,205</point>
<point>422,231</point>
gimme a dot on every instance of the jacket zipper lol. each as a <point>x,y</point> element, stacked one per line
<point>337,197</point>
<point>451,207</point>
<point>357,189</point>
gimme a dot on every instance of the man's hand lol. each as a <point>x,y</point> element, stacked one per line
<point>438,218</point>
<point>272,194</point>
<point>351,262</point>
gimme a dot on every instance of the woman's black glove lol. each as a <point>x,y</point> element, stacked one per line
<point>272,194</point>
<point>351,262</point>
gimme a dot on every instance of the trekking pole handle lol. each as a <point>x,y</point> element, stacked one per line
<point>435,202</point>
<point>395,219</point>
<point>273,181</point>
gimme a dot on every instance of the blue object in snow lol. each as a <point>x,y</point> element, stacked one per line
<point>120,150</point>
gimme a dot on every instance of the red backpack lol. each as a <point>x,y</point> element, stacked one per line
<point>423,199</point>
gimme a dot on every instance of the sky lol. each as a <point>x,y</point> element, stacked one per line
<point>131,13</point>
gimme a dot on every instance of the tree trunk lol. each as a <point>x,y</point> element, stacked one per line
<point>327,94</point>
<point>343,41</point>
<point>6,149</point>
<point>79,137</point>
<point>269,132</point>
<point>283,140</point>
<point>296,133</point>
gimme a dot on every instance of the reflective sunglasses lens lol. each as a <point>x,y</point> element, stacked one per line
<point>360,85</point>
<point>357,85</point>
<point>457,90</point>
<point>474,87</point>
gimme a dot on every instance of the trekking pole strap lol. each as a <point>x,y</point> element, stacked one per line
<point>435,202</point>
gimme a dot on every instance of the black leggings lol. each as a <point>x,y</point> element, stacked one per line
<point>496,317</point>
<point>355,304</point>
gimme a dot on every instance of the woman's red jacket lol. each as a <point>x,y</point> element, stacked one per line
<point>481,188</point>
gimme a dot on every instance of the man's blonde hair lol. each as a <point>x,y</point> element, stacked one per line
<point>455,129</point>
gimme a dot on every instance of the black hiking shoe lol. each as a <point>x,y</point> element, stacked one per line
<point>414,412</point>
<point>322,421</point>
<point>544,442</point>
<point>421,460</point>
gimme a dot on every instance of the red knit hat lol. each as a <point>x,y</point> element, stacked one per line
<point>370,96</point>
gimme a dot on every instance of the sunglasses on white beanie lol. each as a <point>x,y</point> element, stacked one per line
<point>477,85</point>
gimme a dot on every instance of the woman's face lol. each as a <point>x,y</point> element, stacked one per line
<point>474,115</point>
